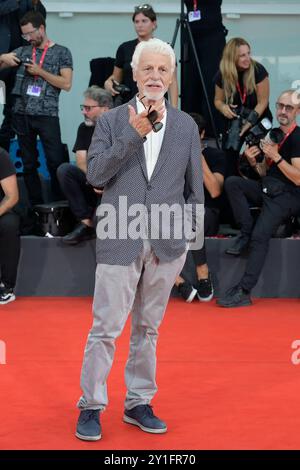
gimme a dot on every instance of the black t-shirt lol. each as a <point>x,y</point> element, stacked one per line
<point>215,160</point>
<point>84,137</point>
<point>211,16</point>
<point>290,149</point>
<point>123,60</point>
<point>251,99</point>
<point>6,169</point>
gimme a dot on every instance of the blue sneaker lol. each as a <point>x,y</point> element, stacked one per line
<point>143,417</point>
<point>88,426</point>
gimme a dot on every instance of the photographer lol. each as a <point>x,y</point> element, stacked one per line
<point>82,197</point>
<point>241,86</point>
<point>45,68</point>
<point>9,229</point>
<point>278,193</point>
<point>145,23</point>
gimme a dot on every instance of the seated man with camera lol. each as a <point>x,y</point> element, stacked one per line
<point>82,197</point>
<point>278,193</point>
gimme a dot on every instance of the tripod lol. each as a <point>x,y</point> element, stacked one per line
<point>183,23</point>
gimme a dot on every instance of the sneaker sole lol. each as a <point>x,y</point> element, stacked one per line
<point>88,438</point>
<point>128,420</point>
<point>191,296</point>
<point>11,299</point>
<point>205,299</point>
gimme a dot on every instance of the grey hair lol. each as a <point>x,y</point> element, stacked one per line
<point>101,96</point>
<point>153,45</point>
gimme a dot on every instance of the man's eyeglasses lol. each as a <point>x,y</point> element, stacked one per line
<point>88,108</point>
<point>280,106</point>
<point>144,7</point>
<point>28,35</point>
<point>152,116</point>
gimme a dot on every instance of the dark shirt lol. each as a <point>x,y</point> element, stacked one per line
<point>215,160</point>
<point>57,58</point>
<point>123,60</point>
<point>6,169</point>
<point>290,149</point>
<point>251,99</point>
<point>211,17</point>
<point>84,137</point>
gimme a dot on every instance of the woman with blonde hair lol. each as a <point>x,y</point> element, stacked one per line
<point>240,83</point>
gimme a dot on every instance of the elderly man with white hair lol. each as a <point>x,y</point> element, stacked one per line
<point>146,155</point>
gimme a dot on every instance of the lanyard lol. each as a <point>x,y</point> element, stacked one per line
<point>244,95</point>
<point>42,57</point>
<point>195,5</point>
<point>291,129</point>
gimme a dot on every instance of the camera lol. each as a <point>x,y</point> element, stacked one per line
<point>263,131</point>
<point>121,88</point>
<point>25,61</point>
<point>21,71</point>
<point>233,141</point>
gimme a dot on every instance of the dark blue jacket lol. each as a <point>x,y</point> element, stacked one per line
<point>8,10</point>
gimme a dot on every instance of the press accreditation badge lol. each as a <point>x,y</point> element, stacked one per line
<point>194,15</point>
<point>34,90</point>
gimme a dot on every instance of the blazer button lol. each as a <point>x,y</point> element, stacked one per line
<point>149,187</point>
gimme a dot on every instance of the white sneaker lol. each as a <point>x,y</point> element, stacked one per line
<point>6,295</point>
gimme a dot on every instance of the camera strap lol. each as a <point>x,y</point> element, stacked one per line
<point>243,95</point>
<point>291,129</point>
<point>42,57</point>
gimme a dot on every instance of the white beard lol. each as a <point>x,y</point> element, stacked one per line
<point>155,96</point>
<point>88,122</point>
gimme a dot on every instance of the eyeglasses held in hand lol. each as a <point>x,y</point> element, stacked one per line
<point>152,116</point>
<point>88,108</point>
<point>144,7</point>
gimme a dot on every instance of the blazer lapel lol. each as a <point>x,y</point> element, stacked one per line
<point>141,155</point>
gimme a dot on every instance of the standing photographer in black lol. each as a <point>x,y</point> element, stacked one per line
<point>278,193</point>
<point>45,68</point>
<point>241,83</point>
<point>145,23</point>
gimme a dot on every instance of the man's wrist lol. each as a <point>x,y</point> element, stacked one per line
<point>277,162</point>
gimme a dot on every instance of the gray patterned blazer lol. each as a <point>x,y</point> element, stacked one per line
<point>116,160</point>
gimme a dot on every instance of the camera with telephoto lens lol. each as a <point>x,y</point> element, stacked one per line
<point>121,88</point>
<point>25,61</point>
<point>233,141</point>
<point>263,131</point>
<point>21,71</point>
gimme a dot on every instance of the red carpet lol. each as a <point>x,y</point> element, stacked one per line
<point>226,380</point>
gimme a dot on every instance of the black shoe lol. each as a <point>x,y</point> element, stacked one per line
<point>143,417</point>
<point>235,297</point>
<point>88,426</point>
<point>205,290</point>
<point>240,244</point>
<point>187,291</point>
<point>80,233</point>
